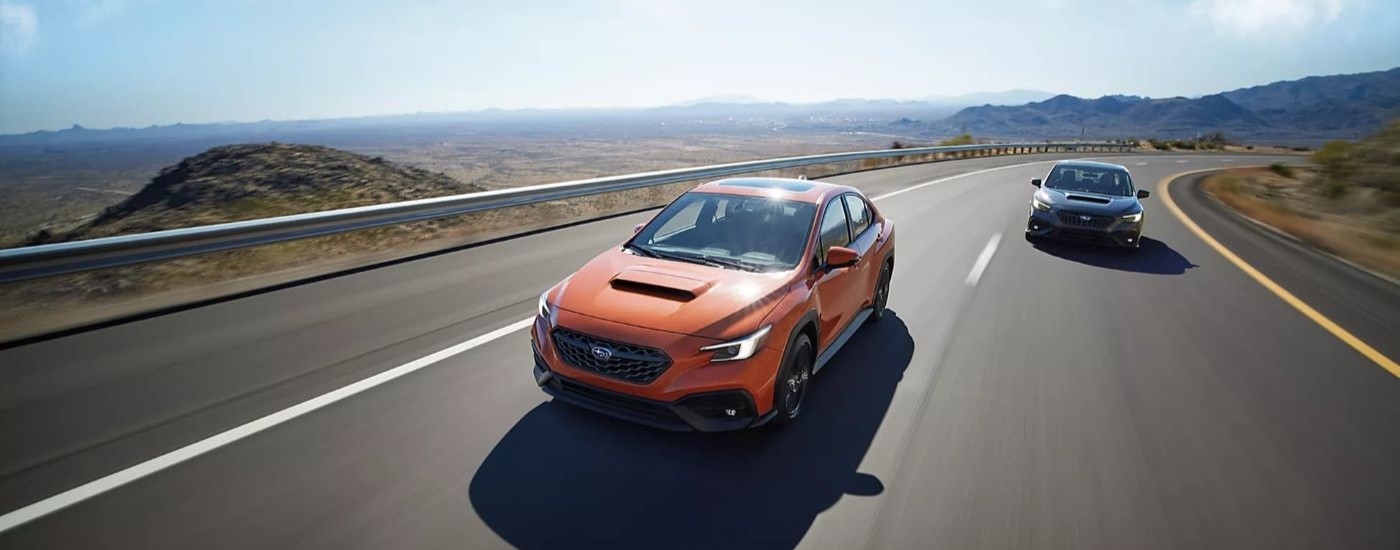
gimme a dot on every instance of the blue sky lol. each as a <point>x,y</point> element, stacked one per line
<point>103,63</point>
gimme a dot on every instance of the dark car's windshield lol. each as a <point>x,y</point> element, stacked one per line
<point>732,231</point>
<point>1089,179</point>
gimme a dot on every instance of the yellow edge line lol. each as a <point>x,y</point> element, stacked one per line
<point>1298,304</point>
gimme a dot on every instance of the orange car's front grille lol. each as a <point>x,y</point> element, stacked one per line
<point>619,360</point>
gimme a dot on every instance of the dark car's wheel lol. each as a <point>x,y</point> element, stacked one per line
<point>882,292</point>
<point>791,388</point>
<point>1032,238</point>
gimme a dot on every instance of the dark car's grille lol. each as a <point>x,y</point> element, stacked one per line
<point>1086,221</point>
<point>622,361</point>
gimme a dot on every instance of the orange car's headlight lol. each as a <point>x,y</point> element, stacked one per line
<point>542,309</point>
<point>738,350</point>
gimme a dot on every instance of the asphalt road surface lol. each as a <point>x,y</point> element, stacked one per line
<point>1045,397</point>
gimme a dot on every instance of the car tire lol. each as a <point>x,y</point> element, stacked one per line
<point>790,390</point>
<point>881,297</point>
<point>1032,238</point>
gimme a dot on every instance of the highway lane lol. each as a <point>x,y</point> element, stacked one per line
<point>1164,401</point>
<point>1067,398</point>
<point>78,407</point>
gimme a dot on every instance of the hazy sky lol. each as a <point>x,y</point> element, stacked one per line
<point>103,63</point>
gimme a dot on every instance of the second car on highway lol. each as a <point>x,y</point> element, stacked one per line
<point>1087,201</point>
<point>715,314</point>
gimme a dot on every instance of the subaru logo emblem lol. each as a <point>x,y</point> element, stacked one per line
<point>1085,218</point>
<point>601,353</point>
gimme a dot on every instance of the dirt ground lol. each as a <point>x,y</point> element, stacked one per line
<point>1357,226</point>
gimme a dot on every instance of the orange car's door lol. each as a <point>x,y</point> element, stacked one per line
<point>863,235</point>
<point>834,288</point>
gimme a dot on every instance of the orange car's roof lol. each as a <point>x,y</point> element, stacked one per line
<point>777,188</point>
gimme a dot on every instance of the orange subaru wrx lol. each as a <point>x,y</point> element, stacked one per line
<point>716,312</point>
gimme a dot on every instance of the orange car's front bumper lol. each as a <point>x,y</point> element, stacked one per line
<point>689,393</point>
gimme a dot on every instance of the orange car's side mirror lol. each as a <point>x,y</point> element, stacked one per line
<point>638,228</point>
<point>839,256</point>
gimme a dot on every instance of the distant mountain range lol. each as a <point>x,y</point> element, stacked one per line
<point>1306,110</point>
<point>334,131</point>
<point>1008,97</point>
<point>1318,107</point>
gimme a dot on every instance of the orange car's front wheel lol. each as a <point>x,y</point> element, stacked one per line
<point>791,388</point>
<point>881,298</point>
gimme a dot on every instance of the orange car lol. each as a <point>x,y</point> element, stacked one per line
<point>716,312</point>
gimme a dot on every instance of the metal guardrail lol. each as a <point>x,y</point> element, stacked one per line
<point>18,264</point>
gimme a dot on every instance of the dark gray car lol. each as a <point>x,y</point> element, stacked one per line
<point>1087,201</point>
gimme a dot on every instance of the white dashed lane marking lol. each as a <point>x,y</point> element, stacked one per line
<point>983,259</point>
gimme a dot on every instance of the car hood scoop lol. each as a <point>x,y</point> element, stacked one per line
<point>1087,203</point>
<point>672,296</point>
<point>1087,198</point>
<point>658,283</point>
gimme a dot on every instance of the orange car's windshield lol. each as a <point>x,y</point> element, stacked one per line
<point>750,233</point>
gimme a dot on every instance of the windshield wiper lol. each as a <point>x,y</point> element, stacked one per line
<point>680,257</point>
<point>641,250</point>
<point>726,262</point>
<point>702,259</point>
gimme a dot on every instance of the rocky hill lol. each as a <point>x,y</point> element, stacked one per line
<point>1344,103</point>
<point>241,182</point>
<point>1320,107</point>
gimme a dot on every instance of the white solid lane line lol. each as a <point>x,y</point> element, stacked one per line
<point>112,481</point>
<point>104,484</point>
<point>983,259</point>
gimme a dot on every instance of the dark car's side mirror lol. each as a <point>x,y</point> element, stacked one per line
<point>638,228</point>
<point>839,256</point>
<point>1035,182</point>
<point>1143,193</point>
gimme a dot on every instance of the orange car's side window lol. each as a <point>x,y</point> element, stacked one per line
<point>860,214</point>
<point>834,229</point>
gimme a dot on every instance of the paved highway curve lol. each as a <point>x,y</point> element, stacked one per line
<point>1018,397</point>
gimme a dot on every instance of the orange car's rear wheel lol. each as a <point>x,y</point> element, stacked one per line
<point>791,389</point>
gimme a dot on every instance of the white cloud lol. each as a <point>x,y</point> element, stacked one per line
<point>18,25</point>
<point>92,12</point>
<point>1253,18</point>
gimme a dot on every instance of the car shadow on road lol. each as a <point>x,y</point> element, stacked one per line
<point>568,478</point>
<point>1153,256</point>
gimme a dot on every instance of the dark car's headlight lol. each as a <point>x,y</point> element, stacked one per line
<point>1038,205</point>
<point>738,350</point>
<point>1134,217</point>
